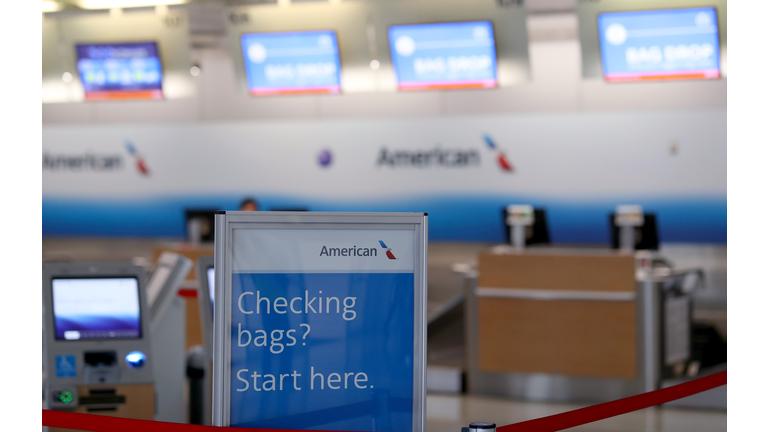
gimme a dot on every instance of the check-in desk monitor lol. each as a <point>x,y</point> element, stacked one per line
<point>537,233</point>
<point>646,235</point>
<point>97,351</point>
<point>198,224</point>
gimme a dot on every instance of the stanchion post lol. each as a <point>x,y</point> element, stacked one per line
<point>480,427</point>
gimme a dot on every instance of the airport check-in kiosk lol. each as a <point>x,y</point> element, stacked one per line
<point>167,326</point>
<point>98,351</point>
<point>205,295</point>
<point>576,324</point>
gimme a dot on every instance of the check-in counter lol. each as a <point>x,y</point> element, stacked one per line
<point>574,324</point>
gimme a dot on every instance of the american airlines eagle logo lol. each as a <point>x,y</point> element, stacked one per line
<point>390,255</point>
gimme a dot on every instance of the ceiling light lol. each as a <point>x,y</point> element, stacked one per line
<point>111,4</point>
<point>51,6</point>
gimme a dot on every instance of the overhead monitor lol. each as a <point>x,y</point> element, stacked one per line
<point>444,56</point>
<point>654,45</point>
<point>130,70</point>
<point>291,63</point>
<point>96,308</point>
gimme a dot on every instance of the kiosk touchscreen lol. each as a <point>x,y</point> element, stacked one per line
<point>98,356</point>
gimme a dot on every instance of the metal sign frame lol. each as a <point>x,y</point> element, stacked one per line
<point>227,224</point>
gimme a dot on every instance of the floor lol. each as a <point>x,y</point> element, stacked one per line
<point>448,413</point>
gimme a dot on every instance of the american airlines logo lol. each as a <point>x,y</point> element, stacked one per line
<point>355,251</point>
<point>390,255</point>
<point>436,157</point>
<point>89,161</point>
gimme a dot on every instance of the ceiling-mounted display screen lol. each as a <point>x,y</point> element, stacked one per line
<point>292,63</point>
<point>96,308</point>
<point>660,44</point>
<point>120,70</point>
<point>444,56</point>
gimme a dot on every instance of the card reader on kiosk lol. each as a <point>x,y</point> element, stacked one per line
<point>98,356</point>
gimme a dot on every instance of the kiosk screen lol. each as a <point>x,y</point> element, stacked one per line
<point>290,63</point>
<point>120,71</point>
<point>210,285</point>
<point>443,56</point>
<point>96,308</point>
<point>660,44</point>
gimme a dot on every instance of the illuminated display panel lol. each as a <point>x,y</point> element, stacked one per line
<point>96,308</point>
<point>211,291</point>
<point>292,63</point>
<point>444,55</point>
<point>660,44</point>
<point>120,71</point>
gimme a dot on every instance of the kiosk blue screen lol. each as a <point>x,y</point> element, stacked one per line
<point>660,44</point>
<point>342,363</point>
<point>120,70</point>
<point>444,55</point>
<point>96,308</point>
<point>289,63</point>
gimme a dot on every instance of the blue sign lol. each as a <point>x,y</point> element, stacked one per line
<point>327,348</point>
<point>287,63</point>
<point>120,71</point>
<point>660,44</point>
<point>444,56</point>
<point>66,366</point>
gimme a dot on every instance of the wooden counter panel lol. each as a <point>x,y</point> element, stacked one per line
<point>194,329</point>
<point>583,338</point>
<point>557,272</point>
